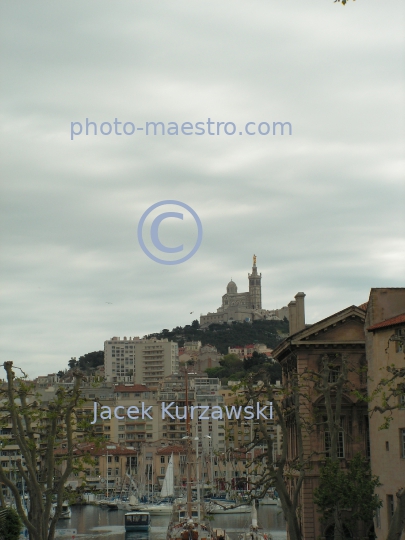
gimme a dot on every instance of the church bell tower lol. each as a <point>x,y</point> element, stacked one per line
<point>255,287</point>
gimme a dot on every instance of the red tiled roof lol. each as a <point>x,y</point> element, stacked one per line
<point>398,319</point>
<point>93,450</point>
<point>363,306</point>
<point>133,388</point>
<point>167,450</point>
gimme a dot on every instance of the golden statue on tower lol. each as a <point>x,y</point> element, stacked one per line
<point>254,260</point>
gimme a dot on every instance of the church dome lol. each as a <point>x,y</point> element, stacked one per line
<point>231,288</point>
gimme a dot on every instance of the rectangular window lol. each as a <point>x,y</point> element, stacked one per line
<point>340,444</point>
<point>402,442</point>
<point>367,434</point>
<point>378,518</point>
<point>162,459</point>
<point>390,507</point>
<point>399,345</point>
<point>334,374</point>
<point>162,470</point>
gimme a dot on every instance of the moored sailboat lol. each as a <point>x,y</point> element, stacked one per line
<point>66,512</point>
<point>254,532</point>
<point>187,521</point>
<point>214,507</point>
<point>167,490</point>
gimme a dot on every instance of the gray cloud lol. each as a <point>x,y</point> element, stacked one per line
<point>323,209</point>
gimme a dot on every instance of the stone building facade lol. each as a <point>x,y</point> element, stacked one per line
<point>339,334</point>
<point>243,306</point>
<point>385,338</point>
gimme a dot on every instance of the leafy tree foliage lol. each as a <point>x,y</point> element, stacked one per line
<point>223,336</point>
<point>353,488</point>
<point>232,368</point>
<point>10,525</point>
<point>90,361</point>
<point>72,363</point>
<point>40,430</point>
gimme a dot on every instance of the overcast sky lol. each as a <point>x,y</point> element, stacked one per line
<point>323,209</point>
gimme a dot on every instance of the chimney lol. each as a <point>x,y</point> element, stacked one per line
<point>300,311</point>
<point>292,316</point>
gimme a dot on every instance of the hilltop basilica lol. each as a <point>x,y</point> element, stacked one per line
<point>245,306</point>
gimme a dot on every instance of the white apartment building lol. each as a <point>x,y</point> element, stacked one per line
<point>211,432</point>
<point>140,361</point>
<point>192,346</point>
<point>202,391</point>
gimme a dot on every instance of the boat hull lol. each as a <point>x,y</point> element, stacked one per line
<point>217,509</point>
<point>266,502</point>
<point>156,510</point>
<point>137,521</point>
<point>160,511</point>
<point>66,515</point>
<point>134,528</point>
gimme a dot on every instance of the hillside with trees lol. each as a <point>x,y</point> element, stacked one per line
<point>220,336</point>
<point>232,368</point>
<point>223,336</point>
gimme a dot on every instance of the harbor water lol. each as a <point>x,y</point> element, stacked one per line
<point>95,523</point>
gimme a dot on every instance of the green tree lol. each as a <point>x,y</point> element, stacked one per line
<point>353,488</point>
<point>39,430</point>
<point>10,524</point>
<point>214,372</point>
<point>90,361</point>
<point>72,363</point>
<point>270,470</point>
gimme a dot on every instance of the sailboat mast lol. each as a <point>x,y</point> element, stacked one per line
<point>189,495</point>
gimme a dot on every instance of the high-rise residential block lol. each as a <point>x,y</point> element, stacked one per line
<point>140,361</point>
